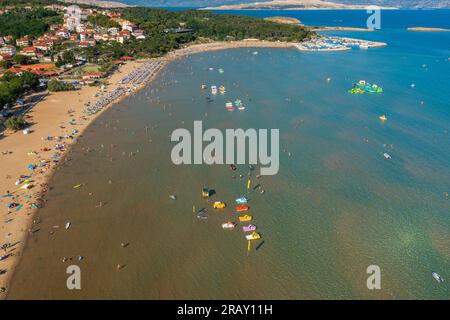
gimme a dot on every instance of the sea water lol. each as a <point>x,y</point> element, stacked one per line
<point>335,207</point>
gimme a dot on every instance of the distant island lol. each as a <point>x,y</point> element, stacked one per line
<point>294,21</point>
<point>285,20</point>
<point>292,5</point>
<point>97,3</point>
<point>426,29</point>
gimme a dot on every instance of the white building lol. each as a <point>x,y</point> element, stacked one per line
<point>73,17</point>
<point>11,50</point>
<point>113,30</point>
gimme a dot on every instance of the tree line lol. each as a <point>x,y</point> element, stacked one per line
<point>32,23</point>
<point>13,86</point>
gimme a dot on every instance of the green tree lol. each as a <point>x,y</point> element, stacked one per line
<point>33,23</point>
<point>5,64</point>
<point>29,80</point>
<point>21,59</point>
<point>15,123</point>
<point>55,85</point>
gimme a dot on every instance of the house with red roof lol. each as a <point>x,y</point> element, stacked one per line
<point>23,42</point>
<point>5,57</point>
<point>130,26</point>
<point>15,70</point>
<point>123,35</point>
<point>29,51</point>
<point>92,75</point>
<point>83,44</point>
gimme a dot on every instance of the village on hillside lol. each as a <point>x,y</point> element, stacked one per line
<point>47,62</point>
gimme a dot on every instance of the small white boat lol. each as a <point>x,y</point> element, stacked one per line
<point>228,225</point>
<point>437,277</point>
<point>387,156</point>
<point>67,226</point>
<point>241,108</point>
<point>213,89</point>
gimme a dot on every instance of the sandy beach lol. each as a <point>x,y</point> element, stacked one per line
<point>60,115</point>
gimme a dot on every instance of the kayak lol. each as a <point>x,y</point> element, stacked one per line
<point>245,218</point>
<point>242,208</point>
<point>249,228</point>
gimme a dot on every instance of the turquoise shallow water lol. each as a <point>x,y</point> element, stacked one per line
<point>335,207</point>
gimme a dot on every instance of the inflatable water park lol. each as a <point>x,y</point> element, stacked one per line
<point>364,87</point>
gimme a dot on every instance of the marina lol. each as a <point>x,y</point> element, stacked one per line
<point>335,43</point>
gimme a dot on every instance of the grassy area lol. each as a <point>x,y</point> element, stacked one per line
<point>91,68</point>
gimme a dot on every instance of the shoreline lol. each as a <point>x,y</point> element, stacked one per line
<point>52,116</point>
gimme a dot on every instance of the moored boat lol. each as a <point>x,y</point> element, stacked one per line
<point>249,228</point>
<point>242,208</point>
<point>242,200</point>
<point>213,89</point>
<point>206,193</point>
<point>437,277</point>
<point>245,218</point>
<point>382,118</point>
<point>228,225</point>
<point>219,205</point>
<point>253,236</point>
